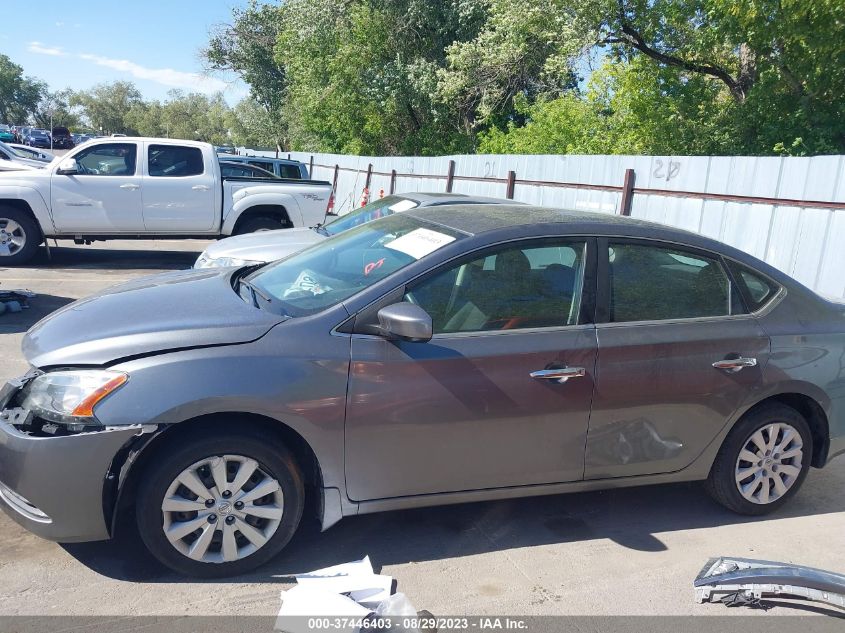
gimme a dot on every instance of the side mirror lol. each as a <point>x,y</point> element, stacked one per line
<point>406,321</point>
<point>68,167</point>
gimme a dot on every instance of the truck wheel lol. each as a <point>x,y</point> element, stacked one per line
<point>763,461</point>
<point>260,223</point>
<point>219,505</point>
<point>19,236</point>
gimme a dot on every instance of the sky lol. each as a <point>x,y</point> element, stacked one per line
<point>153,43</point>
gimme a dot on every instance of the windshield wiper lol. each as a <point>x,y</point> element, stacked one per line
<point>255,291</point>
<point>320,228</point>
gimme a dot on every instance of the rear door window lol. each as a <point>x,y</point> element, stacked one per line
<point>174,161</point>
<point>655,283</point>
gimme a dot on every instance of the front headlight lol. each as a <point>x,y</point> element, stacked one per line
<point>69,397</point>
<point>204,261</point>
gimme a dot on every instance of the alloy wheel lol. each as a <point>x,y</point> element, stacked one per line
<point>769,463</point>
<point>12,237</point>
<point>221,509</point>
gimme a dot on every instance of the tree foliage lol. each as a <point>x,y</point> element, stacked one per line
<point>641,76</point>
<point>19,95</point>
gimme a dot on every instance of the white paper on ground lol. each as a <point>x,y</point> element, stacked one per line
<point>364,588</point>
<point>302,602</point>
<point>355,568</point>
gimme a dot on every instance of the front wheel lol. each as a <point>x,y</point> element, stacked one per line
<point>19,236</point>
<point>220,505</point>
<point>258,224</point>
<point>763,461</point>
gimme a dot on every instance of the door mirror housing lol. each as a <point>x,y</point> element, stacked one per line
<point>68,167</point>
<point>406,321</point>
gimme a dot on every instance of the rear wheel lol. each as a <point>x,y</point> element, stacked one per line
<point>220,505</point>
<point>763,461</point>
<point>260,223</point>
<point>19,236</point>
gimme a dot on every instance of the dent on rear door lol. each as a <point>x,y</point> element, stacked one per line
<point>659,401</point>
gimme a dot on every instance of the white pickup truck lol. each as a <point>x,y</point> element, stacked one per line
<point>143,188</point>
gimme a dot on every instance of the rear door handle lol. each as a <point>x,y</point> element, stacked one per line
<point>734,365</point>
<point>560,374</point>
<point>130,185</point>
<point>200,187</point>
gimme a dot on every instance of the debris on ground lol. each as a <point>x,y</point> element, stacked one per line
<point>745,582</point>
<point>350,596</point>
<point>15,300</point>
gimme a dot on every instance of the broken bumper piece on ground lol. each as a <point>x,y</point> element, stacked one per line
<point>747,582</point>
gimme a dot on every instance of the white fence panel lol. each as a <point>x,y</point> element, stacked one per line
<point>749,202</point>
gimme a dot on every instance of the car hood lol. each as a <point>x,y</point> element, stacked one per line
<point>176,310</point>
<point>264,246</point>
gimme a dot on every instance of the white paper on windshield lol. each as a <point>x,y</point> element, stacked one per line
<point>402,205</point>
<point>420,242</point>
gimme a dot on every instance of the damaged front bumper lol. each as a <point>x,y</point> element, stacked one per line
<point>54,486</point>
<point>743,581</point>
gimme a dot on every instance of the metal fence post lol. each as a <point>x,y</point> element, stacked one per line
<point>369,176</point>
<point>311,166</point>
<point>511,184</point>
<point>450,176</point>
<point>627,192</point>
<point>392,181</point>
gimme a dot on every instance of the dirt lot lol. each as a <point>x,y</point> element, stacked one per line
<point>621,552</point>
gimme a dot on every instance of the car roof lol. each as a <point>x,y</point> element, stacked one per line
<point>433,198</point>
<point>519,220</point>
<point>242,159</point>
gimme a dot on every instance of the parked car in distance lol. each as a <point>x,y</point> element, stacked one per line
<point>142,188</point>
<point>38,138</point>
<point>440,355</point>
<point>269,246</point>
<point>242,170</point>
<point>62,138</point>
<point>11,159</point>
<point>282,167</point>
<point>32,153</point>
<point>6,133</point>
<point>226,149</point>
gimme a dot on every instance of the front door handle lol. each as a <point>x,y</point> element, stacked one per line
<point>130,185</point>
<point>200,187</point>
<point>560,374</point>
<point>734,365</point>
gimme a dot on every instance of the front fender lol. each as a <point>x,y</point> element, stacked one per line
<point>246,199</point>
<point>297,380</point>
<point>36,201</point>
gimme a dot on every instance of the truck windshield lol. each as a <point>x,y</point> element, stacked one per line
<point>335,269</point>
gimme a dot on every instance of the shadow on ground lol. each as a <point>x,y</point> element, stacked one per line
<point>83,257</point>
<point>633,518</point>
<point>39,307</point>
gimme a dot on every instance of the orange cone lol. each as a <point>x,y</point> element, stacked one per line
<point>381,193</point>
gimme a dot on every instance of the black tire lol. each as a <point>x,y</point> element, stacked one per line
<point>273,459</point>
<point>259,223</point>
<point>28,228</point>
<point>722,485</point>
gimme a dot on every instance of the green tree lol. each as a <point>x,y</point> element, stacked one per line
<point>55,107</point>
<point>19,95</point>
<point>107,105</point>
<point>245,48</point>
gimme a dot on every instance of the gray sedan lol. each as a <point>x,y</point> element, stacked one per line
<point>268,246</point>
<point>440,355</point>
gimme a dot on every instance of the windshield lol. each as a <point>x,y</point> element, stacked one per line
<point>373,211</point>
<point>335,269</point>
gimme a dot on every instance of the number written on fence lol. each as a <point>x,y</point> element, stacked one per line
<point>668,170</point>
<point>490,169</point>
